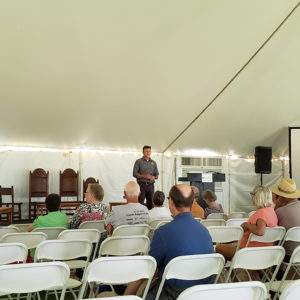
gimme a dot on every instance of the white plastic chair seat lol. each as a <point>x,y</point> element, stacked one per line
<point>236,222</point>
<point>237,215</point>
<point>125,245</point>
<point>51,232</point>
<point>71,284</point>
<point>216,216</point>
<point>128,230</point>
<point>291,292</point>
<point>226,291</point>
<point>213,222</point>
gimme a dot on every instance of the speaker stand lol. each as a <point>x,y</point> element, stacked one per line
<point>261,179</point>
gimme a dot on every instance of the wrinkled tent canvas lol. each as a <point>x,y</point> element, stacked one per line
<point>115,75</point>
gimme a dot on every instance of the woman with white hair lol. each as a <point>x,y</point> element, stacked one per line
<point>264,216</point>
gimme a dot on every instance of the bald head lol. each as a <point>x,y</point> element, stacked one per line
<point>132,191</point>
<point>182,196</point>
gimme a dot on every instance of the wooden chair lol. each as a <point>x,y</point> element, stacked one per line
<point>16,214</point>
<point>68,183</point>
<point>38,187</point>
<point>86,183</point>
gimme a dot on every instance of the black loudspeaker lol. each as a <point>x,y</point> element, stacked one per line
<point>263,157</point>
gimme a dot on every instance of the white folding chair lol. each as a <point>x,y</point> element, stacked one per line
<point>8,229</point>
<point>216,216</point>
<point>13,252</point>
<point>29,239</point>
<point>92,235</point>
<point>127,230</point>
<point>153,224</point>
<point>213,222</point>
<point>279,286</point>
<point>162,223</point>
<point>251,290</point>
<point>22,227</point>
<point>125,245</point>
<point>236,222</point>
<point>257,258</point>
<point>31,278</point>
<point>51,232</point>
<point>292,292</point>
<point>118,270</point>
<point>237,215</point>
<point>96,224</point>
<point>66,251</point>
<point>292,235</point>
<point>192,267</point>
<point>271,235</point>
<point>226,234</point>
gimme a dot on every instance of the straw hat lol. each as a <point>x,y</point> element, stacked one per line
<point>286,188</point>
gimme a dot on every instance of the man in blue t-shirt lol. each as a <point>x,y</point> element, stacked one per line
<point>183,236</point>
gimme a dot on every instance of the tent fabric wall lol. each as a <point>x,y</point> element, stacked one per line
<point>112,170</point>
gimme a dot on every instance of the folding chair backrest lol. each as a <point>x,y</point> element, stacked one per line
<point>99,225</point>
<point>251,213</point>
<point>237,215</point>
<point>254,290</point>
<point>51,232</point>
<point>8,229</point>
<point>225,234</point>
<point>63,250</point>
<point>213,222</point>
<point>13,252</point>
<point>162,223</point>
<point>29,278</point>
<point>92,235</point>
<point>294,261</point>
<point>236,222</point>
<point>192,267</point>
<point>119,270</point>
<point>216,216</point>
<point>125,245</point>
<point>272,234</point>
<point>293,234</point>
<point>127,230</point>
<point>21,227</point>
<point>29,239</point>
<point>153,224</point>
<point>257,258</point>
<point>292,292</point>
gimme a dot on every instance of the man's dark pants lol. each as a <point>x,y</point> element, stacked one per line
<point>147,191</point>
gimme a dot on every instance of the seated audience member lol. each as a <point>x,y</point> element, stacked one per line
<point>54,218</point>
<point>264,216</point>
<point>93,209</point>
<point>128,214</point>
<point>213,206</point>
<point>183,236</point>
<point>159,211</point>
<point>197,210</point>
<point>287,208</point>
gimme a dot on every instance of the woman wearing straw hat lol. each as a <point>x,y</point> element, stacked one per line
<point>287,207</point>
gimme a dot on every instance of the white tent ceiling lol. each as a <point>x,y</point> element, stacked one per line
<point>120,74</point>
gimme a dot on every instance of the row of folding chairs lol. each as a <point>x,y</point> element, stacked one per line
<point>120,270</point>
<point>222,222</point>
<point>232,215</point>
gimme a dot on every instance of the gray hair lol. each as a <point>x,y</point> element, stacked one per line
<point>132,189</point>
<point>262,196</point>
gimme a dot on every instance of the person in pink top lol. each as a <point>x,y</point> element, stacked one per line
<point>264,216</point>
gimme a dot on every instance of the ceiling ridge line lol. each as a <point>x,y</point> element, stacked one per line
<point>233,78</point>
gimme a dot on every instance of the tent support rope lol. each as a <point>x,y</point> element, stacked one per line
<point>233,78</point>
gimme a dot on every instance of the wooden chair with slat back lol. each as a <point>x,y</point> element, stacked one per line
<point>38,188</point>
<point>68,183</point>
<point>17,214</point>
<point>86,183</point>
